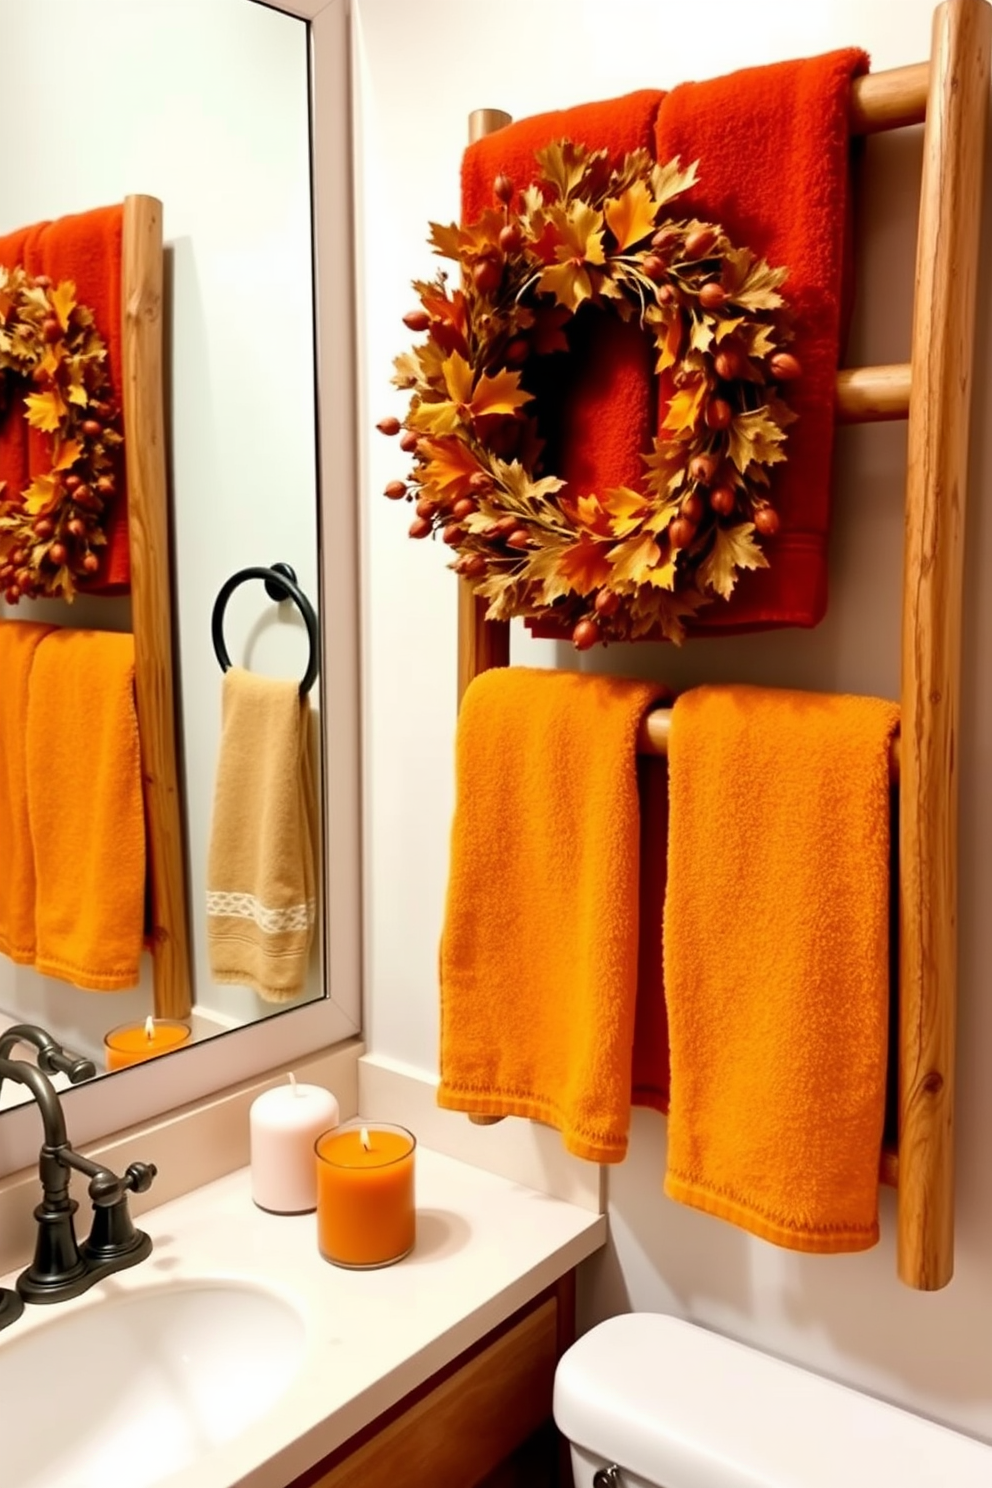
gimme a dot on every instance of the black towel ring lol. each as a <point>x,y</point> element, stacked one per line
<point>280,584</point>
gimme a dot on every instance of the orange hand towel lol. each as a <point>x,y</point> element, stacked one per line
<point>86,810</point>
<point>18,645</point>
<point>776,960</point>
<point>606,385</point>
<point>261,900</point>
<point>773,146</point>
<point>86,248</point>
<point>539,952</point>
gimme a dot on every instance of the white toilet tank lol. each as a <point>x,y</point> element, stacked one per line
<point>666,1404</point>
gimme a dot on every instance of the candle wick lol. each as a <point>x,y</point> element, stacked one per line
<point>149,1028</point>
<point>366,1141</point>
<point>292,1081</point>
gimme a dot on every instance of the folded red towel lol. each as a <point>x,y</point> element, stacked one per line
<point>85,248</point>
<point>773,147</point>
<point>606,384</point>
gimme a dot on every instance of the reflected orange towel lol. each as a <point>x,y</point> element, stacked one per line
<point>606,384</point>
<point>85,807</point>
<point>776,960</point>
<point>539,952</point>
<point>18,645</point>
<point>86,248</point>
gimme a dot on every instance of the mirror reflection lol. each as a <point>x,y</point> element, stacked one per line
<point>207,111</point>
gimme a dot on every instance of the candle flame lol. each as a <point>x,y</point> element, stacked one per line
<point>149,1028</point>
<point>366,1140</point>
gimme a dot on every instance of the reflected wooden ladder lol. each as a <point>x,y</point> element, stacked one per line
<point>949,93</point>
<point>151,599</point>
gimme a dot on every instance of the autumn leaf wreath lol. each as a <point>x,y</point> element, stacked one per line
<point>50,346</point>
<point>621,563</point>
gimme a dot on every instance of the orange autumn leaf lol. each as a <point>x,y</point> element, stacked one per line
<point>67,454</point>
<point>671,345</point>
<point>626,508</point>
<point>632,561</point>
<point>499,394</point>
<point>63,299</point>
<point>630,216</point>
<point>449,466</point>
<point>586,565</point>
<point>684,409</point>
<point>45,411</point>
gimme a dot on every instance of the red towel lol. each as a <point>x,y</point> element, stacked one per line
<point>85,248</point>
<point>773,147</point>
<point>606,384</point>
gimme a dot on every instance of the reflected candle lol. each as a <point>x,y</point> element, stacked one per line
<point>365,1195</point>
<point>132,1043</point>
<point>284,1124</point>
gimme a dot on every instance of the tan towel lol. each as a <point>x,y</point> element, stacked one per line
<point>86,809</point>
<point>261,903</point>
<point>18,647</point>
<point>777,960</point>
<point>539,955</point>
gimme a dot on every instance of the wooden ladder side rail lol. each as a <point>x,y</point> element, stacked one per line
<point>936,481</point>
<point>151,603</point>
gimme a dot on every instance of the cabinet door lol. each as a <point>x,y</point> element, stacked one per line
<point>465,1426</point>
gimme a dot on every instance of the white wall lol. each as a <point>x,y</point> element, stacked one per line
<point>202,103</point>
<point>420,70</point>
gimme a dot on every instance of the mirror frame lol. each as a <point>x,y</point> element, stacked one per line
<point>137,1095</point>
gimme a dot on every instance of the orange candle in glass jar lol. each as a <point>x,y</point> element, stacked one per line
<point>365,1194</point>
<point>132,1043</point>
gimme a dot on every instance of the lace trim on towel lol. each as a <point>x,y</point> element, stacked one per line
<point>248,907</point>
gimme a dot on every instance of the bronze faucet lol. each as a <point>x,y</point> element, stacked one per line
<point>61,1268</point>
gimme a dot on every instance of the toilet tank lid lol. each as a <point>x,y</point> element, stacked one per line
<point>678,1405</point>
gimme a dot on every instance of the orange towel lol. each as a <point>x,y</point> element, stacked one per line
<point>85,248</point>
<point>773,146</point>
<point>539,952</point>
<point>776,960</point>
<point>85,807</point>
<point>606,384</point>
<point>18,644</point>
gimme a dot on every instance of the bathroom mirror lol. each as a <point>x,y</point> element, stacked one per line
<point>229,111</point>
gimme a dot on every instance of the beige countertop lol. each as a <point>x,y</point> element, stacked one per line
<point>485,1247</point>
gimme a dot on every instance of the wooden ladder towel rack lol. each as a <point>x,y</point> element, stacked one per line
<point>151,599</point>
<point>950,94</point>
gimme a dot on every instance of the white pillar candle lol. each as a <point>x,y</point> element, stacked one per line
<point>285,1122</point>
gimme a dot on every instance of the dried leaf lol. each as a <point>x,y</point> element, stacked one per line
<point>63,299</point>
<point>501,393</point>
<point>633,559</point>
<point>755,437</point>
<point>631,217</point>
<point>67,454</point>
<point>733,548</point>
<point>564,164</point>
<point>449,466</point>
<point>670,180</point>
<point>45,411</point>
<point>684,408</point>
<point>627,509</point>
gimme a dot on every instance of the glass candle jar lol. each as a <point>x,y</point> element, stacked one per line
<point>366,1215</point>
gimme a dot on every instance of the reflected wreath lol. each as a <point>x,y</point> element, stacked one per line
<point>53,356</point>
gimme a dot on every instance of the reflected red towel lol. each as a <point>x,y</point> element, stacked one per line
<point>85,248</point>
<point>773,147</point>
<point>606,384</point>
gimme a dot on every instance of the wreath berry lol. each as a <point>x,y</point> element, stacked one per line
<point>49,344</point>
<point>621,563</point>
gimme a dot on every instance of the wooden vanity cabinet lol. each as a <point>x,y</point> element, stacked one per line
<point>482,1422</point>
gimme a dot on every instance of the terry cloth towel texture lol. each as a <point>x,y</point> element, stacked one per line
<point>539,950</point>
<point>777,960</point>
<point>18,646</point>
<point>261,900</point>
<point>86,809</point>
<point>774,148</point>
<point>85,248</point>
<point>605,386</point>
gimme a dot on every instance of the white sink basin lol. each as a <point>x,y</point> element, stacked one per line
<point>126,1391</point>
